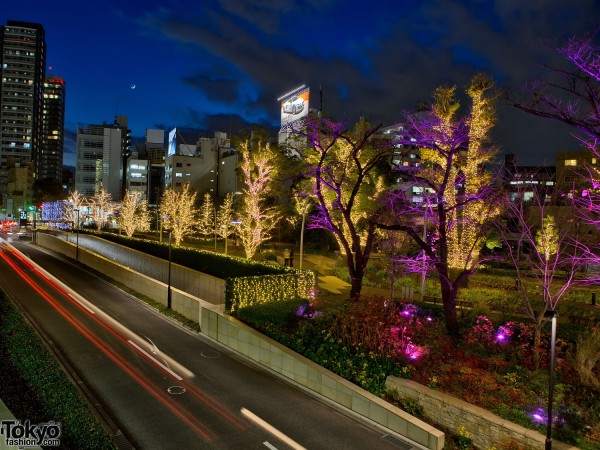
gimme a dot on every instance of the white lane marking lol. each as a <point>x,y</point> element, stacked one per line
<point>148,355</point>
<point>271,429</point>
<point>269,445</point>
<point>154,347</point>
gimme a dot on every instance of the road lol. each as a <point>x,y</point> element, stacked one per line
<point>165,386</point>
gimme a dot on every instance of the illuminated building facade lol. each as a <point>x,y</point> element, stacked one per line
<point>50,161</point>
<point>22,69</point>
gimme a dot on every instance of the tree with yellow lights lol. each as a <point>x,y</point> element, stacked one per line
<point>74,202</point>
<point>257,217</point>
<point>178,211</point>
<point>345,184</point>
<point>133,213</point>
<point>206,217</point>
<point>223,226</point>
<point>458,199</point>
<point>102,206</point>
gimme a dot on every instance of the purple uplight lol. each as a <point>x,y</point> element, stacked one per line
<point>406,313</point>
<point>429,319</point>
<point>538,418</point>
<point>500,337</point>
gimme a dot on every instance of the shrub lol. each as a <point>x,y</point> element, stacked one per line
<point>587,358</point>
<point>43,391</point>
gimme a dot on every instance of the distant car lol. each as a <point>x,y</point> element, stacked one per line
<point>294,106</point>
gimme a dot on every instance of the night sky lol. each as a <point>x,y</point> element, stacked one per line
<point>221,65</point>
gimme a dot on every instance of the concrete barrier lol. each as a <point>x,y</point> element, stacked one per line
<point>486,429</point>
<point>264,351</point>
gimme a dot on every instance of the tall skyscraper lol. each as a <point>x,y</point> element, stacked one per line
<point>50,160</point>
<point>22,68</point>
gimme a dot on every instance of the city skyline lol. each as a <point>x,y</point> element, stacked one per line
<point>222,65</point>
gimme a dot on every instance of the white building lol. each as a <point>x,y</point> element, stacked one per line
<point>136,175</point>
<point>100,150</point>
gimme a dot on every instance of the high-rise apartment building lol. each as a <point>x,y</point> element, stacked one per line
<point>100,153</point>
<point>50,158</point>
<point>22,69</point>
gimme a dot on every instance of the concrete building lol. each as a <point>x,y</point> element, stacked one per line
<point>208,166</point>
<point>100,153</point>
<point>22,69</point>
<point>573,170</point>
<point>20,189</point>
<point>136,175</point>
<point>155,150</point>
<point>50,161</point>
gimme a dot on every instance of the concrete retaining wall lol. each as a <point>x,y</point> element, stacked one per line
<point>253,345</point>
<point>207,287</point>
<point>486,429</point>
<point>269,353</point>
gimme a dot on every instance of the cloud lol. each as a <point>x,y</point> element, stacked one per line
<point>393,61</point>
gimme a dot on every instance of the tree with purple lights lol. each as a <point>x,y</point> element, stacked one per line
<point>542,244</point>
<point>572,96</point>
<point>459,197</point>
<point>345,183</point>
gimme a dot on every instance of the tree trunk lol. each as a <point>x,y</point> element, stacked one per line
<point>449,303</point>
<point>537,340</point>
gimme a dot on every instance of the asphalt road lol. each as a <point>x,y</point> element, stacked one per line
<point>166,387</point>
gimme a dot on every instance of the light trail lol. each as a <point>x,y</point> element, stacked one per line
<point>157,392</point>
<point>198,394</point>
<point>271,429</point>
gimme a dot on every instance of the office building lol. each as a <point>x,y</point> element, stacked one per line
<point>22,69</point>
<point>50,161</point>
<point>100,153</point>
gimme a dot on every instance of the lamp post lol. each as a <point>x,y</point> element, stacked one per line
<point>226,225</point>
<point>215,222</point>
<point>169,276</point>
<point>553,315</point>
<point>77,237</point>
<point>162,221</point>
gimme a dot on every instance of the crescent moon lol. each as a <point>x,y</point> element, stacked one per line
<point>133,86</point>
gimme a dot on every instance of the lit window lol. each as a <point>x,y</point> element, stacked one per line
<point>178,174</point>
<point>570,162</point>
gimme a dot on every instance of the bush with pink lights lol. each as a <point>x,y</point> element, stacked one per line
<point>491,366</point>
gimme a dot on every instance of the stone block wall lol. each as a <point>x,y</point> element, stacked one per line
<point>486,429</point>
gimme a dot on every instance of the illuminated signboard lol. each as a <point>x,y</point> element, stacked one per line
<point>294,105</point>
<point>172,148</point>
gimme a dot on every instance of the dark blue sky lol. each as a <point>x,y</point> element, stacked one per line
<point>220,65</point>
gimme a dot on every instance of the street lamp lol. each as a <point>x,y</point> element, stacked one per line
<point>169,276</point>
<point>226,225</point>
<point>77,238</point>
<point>162,221</point>
<point>553,315</point>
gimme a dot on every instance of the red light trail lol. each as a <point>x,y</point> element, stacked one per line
<point>152,388</point>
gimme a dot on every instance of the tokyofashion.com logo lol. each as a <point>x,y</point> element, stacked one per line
<point>26,434</point>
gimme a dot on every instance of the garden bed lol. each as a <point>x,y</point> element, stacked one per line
<point>366,341</point>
